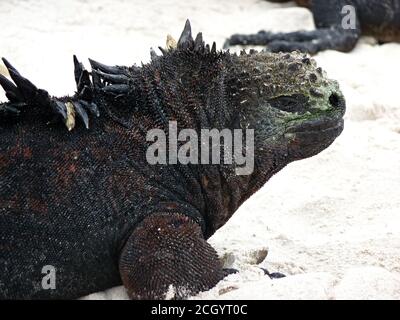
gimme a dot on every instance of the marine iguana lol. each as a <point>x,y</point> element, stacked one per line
<point>378,18</point>
<point>87,202</point>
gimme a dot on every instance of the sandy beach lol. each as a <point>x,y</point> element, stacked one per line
<point>330,223</point>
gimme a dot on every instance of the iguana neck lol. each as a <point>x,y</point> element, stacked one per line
<point>194,101</point>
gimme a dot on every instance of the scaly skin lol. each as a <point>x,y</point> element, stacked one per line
<point>87,202</point>
<point>378,18</point>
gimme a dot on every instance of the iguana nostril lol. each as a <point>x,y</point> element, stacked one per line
<point>335,100</point>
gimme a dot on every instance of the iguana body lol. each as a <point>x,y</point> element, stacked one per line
<point>88,202</point>
<point>378,18</point>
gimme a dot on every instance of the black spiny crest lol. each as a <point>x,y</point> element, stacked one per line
<point>23,96</point>
<point>106,81</point>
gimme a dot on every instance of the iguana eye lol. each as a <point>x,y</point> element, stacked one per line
<point>293,103</point>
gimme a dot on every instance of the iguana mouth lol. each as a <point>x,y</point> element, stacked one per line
<point>317,125</point>
<point>309,138</point>
<point>319,136</point>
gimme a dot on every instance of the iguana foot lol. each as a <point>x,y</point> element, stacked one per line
<point>167,257</point>
<point>229,271</point>
<point>273,275</point>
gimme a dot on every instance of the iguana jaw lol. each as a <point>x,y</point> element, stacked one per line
<point>305,141</point>
<point>315,126</point>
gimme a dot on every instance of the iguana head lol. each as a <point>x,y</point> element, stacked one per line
<point>295,110</point>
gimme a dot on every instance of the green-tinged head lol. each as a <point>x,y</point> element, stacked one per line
<point>295,110</point>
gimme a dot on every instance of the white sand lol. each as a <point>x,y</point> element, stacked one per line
<point>331,223</point>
